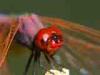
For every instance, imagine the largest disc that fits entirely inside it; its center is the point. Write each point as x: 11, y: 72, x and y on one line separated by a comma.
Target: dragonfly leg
x: 36, y: 63
x: 52, y: 62
x: 28, y: 64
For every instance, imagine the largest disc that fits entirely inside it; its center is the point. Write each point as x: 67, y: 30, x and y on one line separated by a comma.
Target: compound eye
x: 45, y: 37
x: 56, y: 38
x: 44, y: 40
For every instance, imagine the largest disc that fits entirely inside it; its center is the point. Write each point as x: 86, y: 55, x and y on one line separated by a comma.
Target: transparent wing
x: 7, y: 33
x: 81, y: 48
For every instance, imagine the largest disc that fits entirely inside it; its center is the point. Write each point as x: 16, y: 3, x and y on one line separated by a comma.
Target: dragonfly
x: 80, y: 44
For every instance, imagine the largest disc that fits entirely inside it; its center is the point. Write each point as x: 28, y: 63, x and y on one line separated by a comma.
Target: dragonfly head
x: 49, y: 39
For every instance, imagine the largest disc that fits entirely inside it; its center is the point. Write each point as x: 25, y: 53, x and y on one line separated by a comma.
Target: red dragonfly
x: 81, y: 44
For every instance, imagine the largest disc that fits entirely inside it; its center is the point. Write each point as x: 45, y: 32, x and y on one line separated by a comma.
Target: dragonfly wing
x: 70, y: 26
x: 81, y: 45
x: 7, y: 33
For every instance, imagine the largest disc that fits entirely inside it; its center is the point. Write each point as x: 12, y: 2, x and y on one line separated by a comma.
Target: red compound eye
x: 49, y: 39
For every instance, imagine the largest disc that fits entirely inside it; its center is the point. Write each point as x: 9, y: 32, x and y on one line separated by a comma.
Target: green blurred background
x: 80, y: 11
